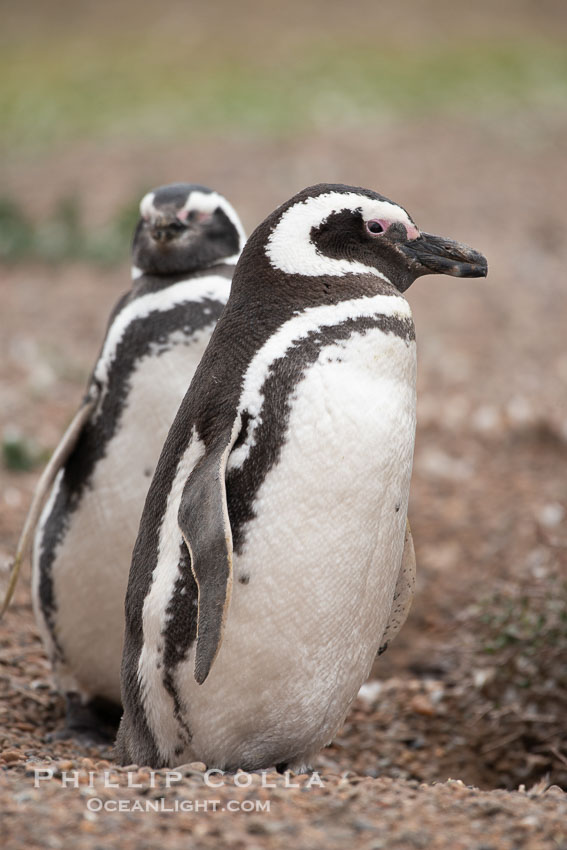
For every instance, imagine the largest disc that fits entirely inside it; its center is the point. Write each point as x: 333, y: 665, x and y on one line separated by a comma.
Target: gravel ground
x: 458, y: 740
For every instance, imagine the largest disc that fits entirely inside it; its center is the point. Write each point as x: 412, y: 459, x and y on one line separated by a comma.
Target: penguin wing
x: 205, y: 526
x: 56, y: 461
x: 403, y: 594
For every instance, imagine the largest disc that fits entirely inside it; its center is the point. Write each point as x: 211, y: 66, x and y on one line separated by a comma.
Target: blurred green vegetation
x: 518, y: 627
x: 21, y: 454
x: 61, y: 90
x: 520, y: 649
x: 54, y: 93
x: 63, y: 236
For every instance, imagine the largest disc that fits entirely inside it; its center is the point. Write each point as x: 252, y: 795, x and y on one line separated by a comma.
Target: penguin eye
x: 186, y: 215
x: 374, y: 226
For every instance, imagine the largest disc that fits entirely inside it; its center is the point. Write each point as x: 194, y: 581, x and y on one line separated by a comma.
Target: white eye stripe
x: 208, y: 202
x: 290, y: 249
x: 147, y: 205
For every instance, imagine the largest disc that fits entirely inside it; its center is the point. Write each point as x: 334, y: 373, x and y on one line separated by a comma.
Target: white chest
x: 320, y: 559
x: 92, y: 561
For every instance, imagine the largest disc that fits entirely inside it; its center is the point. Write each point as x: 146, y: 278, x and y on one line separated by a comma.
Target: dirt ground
x: 458, y: 740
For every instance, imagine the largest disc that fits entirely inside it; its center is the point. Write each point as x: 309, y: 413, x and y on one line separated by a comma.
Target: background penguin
x: 271, y: 544
x: 184, y: 251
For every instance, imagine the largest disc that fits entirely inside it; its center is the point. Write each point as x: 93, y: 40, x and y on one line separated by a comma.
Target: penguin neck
x: 265, y: 311
x: 262, y: 287
x: 147, y: 282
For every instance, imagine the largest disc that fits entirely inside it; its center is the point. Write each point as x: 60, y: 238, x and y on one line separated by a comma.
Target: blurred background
x: 457, y: 111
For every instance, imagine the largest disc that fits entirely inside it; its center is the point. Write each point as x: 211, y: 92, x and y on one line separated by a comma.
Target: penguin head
x: 184, y: 227
x: 333, y: 230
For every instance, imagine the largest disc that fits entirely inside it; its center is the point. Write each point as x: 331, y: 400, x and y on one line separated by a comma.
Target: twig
x: 558, y: 755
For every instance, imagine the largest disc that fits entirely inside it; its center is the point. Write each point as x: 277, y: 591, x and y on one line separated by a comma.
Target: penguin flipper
x: 403, y: 593
x: 205, y: 526
x: 56, y: 461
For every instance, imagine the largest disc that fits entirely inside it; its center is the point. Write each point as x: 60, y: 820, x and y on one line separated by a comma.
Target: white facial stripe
x: 208, y: 202
x: 292, y: 331
x: 291, y: 250
x: 156, y: 700
x: 195, y: 290
x: 136, y: 272
x: 147, y: 205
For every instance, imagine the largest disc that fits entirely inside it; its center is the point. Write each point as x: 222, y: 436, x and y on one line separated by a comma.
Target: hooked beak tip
x: 470, y: 268
x: 438, y: 255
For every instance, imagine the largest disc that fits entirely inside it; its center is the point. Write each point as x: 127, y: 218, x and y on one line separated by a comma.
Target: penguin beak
x: 163, y: 230
x: 430, y: 254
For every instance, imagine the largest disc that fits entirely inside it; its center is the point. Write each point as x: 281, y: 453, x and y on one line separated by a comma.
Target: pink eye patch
x: 194, y: 215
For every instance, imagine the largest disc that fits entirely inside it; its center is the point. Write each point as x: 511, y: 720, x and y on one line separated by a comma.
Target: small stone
x: 434, y: 463
x: 13, y: 497
x: 193, y: 768
x: 519, y: 411
x: 481, y: 676
x: 11, y: 756
x: 370, y: 691
x: 487, y: 420
x: 421, y: 704
x: 551, y: 515
x: 256, y: 827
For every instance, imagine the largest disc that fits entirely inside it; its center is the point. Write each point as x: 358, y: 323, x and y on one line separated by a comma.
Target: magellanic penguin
x: 185, y: 248
x: 271, y: 543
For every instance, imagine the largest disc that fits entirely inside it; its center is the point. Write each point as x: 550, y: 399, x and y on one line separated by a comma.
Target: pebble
x: 24, y: 727
x: 519, y: 411
x: 11, y: 756
x: 421, y: 704
x: 481, y: 676
x: 437, y: 464
x: 370, y: 692
x: 487, y: 420
x: 556, y: 790
x: 551, y: 515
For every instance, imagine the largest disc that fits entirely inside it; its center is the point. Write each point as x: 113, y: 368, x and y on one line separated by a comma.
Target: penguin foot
x: 94, y: 723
